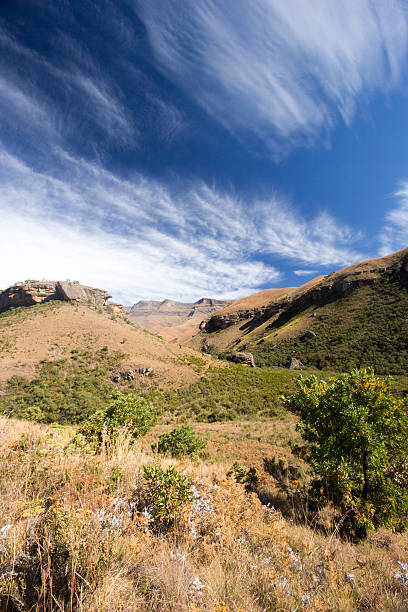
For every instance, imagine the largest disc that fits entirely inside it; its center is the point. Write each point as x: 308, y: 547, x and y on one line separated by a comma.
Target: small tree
x: 356, y: 435
x: 125, y: 410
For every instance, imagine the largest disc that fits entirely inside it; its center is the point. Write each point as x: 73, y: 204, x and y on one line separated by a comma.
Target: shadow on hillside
x: 298, y: 508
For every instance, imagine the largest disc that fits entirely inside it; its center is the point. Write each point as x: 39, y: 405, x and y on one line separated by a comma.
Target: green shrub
x: 227, y: 393
x: 356, y: 435
x: 179, y: 442
x: 167, y: 492
x: 125, y: 410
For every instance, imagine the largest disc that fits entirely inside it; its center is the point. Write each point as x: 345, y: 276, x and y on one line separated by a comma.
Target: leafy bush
x: 125, y: 410
x: 249, y: 477
x: 356, y: 435
x: 179, y: 442
x: 167, y: 492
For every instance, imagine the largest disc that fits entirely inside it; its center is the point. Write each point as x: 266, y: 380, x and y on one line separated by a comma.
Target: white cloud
x: 283, y: 70
x: 394, y: 235
x: 139, y: 239
x: 306, y: 272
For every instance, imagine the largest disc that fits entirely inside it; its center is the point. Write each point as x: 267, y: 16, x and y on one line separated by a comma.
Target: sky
x: 189, y: 148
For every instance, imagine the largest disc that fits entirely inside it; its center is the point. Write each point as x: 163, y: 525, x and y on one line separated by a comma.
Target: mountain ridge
x: 157, y: 316
x: 337, y: 309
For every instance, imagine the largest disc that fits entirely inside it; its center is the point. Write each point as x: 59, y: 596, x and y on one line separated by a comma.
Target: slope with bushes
x: 357, y: 317
x: 124, y: 530
x: 51, y: 331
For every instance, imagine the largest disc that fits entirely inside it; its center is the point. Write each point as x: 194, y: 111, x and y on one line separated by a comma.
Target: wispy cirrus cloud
x: 70, y: 95
x: 281, y: 71
x: 394, y: 234
x: 81, y: 93
x: 140, y: 239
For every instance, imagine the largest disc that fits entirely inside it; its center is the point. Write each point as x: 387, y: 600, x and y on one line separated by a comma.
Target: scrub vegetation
x: 367, y: 328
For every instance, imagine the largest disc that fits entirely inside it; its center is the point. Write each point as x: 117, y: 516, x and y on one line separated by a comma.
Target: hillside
x: 357, y: 317
x: 75, y: 351
x: 78, y: 533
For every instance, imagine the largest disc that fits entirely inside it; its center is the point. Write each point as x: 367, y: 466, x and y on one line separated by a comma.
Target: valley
x: 87, y: 393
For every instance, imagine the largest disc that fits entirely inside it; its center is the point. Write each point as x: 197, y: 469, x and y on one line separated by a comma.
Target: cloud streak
x: 394, y: 235
x: 281, y: 71
x: 140, y: 239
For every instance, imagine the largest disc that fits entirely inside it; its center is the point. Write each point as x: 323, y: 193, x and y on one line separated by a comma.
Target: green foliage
x: 180, y: 442
x: 125, y: 410
x: 197, y: 362
x: 225, y: 393
x: 246, y: 476
x: 167, y: 492
x: 356, y: 435
x: 287, y: 476
x: 367, y: 328
x: 64, y: 391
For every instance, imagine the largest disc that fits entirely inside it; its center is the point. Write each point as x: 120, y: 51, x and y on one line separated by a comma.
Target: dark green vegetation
x: 225, y: 393
x: 166, y: 493
x: 64, y: 391
x: 367, y: 328
x: 180, y: 442
x: 355, y: 435
x: 124, y: 410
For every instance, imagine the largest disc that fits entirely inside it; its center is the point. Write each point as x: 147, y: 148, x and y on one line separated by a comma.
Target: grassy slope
x: 51, y: 331
x: 369, y: 327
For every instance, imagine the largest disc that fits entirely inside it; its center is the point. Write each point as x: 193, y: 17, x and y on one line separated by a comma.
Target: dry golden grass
x: 71, y: 533
x: 53, y: 330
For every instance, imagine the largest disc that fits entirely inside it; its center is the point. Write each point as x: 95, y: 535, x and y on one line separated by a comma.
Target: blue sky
x: 189, y: 148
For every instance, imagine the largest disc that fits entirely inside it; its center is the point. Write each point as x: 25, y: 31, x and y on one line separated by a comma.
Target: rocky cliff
x: 37, y: 292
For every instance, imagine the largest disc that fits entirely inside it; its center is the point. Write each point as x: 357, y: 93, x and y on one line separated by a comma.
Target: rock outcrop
x: 309, y: 335
x: 37, y: 292
x: 244, y: 358
x: 295, y: 364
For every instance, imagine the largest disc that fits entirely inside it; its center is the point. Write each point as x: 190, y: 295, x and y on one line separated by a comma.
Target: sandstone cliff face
x: 37, y: 292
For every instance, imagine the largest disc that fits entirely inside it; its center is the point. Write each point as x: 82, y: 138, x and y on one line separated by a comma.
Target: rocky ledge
x: 37, y: 292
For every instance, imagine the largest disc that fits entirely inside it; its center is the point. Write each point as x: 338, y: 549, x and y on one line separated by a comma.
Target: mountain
x: 173, y: 320
x: 356, y: 316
